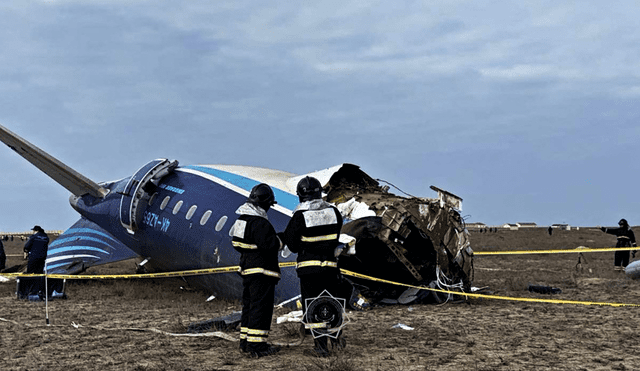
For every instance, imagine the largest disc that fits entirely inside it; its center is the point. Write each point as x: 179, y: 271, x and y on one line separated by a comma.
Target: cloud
x: 383, y: 83
x: 630, y: 92
x: 529, y: 72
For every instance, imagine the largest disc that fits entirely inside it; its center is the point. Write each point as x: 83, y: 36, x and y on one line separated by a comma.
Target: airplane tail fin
x: 84, y: 245
x: 73, y: 181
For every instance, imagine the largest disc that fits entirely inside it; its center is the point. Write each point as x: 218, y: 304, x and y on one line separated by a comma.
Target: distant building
x: 526, y: 225
x: 477, y: 225
x: 561, y: 226
x: 513, y: 227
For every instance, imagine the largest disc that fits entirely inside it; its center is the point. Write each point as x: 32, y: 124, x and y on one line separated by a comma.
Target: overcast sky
x: 527, y: 110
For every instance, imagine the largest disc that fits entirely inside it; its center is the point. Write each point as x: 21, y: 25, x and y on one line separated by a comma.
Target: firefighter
x: 626, y: 238
x: 313, y: 233
x: 256, y: 240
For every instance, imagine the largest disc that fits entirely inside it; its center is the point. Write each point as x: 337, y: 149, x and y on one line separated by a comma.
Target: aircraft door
x: 139, y: 188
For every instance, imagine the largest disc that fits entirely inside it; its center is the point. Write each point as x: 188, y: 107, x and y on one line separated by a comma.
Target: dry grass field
x: 116, y: 321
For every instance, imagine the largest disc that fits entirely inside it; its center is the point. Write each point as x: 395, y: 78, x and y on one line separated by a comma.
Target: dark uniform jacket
x: 313, y: 233
x: 3, y: 257
x: 257, y: 242
x: 626, y: 238
x: 37, y: 245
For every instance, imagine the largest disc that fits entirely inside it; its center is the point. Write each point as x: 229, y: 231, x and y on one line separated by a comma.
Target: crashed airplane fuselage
x: 179, y: 218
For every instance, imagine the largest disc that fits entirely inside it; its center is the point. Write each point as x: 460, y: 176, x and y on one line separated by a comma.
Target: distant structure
x: 29, y: 233
x: 526, y: 225
x: 474, y: 226
x: 513, y: 227
x: 561, y: 226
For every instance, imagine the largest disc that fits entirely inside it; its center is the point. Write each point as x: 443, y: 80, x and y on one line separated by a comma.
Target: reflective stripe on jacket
x: 313, y: 233
x: 255, y: 239
x: 316, y: 263
x: 266, y: 272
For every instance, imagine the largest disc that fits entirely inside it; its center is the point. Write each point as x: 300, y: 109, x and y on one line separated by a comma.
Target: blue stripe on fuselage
x: 73, y: 231
x: 60, y: 250
x: 284, y: 199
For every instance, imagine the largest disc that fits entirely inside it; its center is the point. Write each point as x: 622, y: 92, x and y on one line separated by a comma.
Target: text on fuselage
x: 153, y: 220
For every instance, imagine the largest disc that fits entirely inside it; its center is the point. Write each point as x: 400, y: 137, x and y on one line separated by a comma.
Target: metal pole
x: 46, y: 293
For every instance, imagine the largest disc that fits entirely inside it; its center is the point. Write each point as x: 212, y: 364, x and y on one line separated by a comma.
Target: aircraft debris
x: 633, y: 269
x: 540, y: 289
x: 229, y: 322
x: 411, y: 240
x: 403, y: 326
x: 293, y: 316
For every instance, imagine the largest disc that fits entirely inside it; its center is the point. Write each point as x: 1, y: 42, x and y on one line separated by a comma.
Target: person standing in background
x: 36, y: 247
x: 3, y: 256
x: 626, y: 238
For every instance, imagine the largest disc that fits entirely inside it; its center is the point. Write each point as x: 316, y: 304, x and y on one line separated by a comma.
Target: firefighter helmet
x: 262, y: 195
x: 309, y: 188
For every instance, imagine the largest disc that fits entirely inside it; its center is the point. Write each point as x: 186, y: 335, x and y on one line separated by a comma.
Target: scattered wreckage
x: 410, y: 240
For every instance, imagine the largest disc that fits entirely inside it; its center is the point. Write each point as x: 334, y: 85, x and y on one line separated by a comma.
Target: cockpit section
x: 139, y: 189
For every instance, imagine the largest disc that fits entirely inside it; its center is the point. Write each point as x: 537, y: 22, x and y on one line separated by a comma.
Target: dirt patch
x: 115, y: 319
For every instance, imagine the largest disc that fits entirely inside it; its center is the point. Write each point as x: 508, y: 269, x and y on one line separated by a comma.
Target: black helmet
x: 623, y: 223
x: 262, y: 195
x: 309, y: 188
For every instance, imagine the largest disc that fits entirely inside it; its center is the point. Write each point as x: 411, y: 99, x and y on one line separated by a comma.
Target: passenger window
x: 192, y: 210
x: 153, y: 199
x: 205, y: 217
x: 221, y: 223
x: 164, y: 202
x: 177, y: 207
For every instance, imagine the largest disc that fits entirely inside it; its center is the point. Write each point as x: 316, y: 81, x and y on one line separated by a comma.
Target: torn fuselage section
x: 411, y: 240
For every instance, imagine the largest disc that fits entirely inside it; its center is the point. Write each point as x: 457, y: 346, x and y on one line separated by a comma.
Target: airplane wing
x: 73, y: 181
x: 84, y: 245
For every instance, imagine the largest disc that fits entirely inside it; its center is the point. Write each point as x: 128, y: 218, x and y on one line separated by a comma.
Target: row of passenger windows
x: 203, y: 220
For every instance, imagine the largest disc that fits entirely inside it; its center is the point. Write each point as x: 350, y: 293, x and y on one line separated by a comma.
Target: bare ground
x: 477, y: 334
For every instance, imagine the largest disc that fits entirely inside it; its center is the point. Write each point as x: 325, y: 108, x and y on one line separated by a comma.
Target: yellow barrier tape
x: 195, y: 272
x: 553, y: 301
x: 563, y: 251
x: 343, y: 271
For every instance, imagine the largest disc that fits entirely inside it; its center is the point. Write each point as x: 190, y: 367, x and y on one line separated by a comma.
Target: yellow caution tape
x: 195, y: 272
x: 352, y: 274
x: 553, y: 301
x: 563, y: 251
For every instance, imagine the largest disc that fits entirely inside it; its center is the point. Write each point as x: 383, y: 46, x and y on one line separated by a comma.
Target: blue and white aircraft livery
x: 179, y: 218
